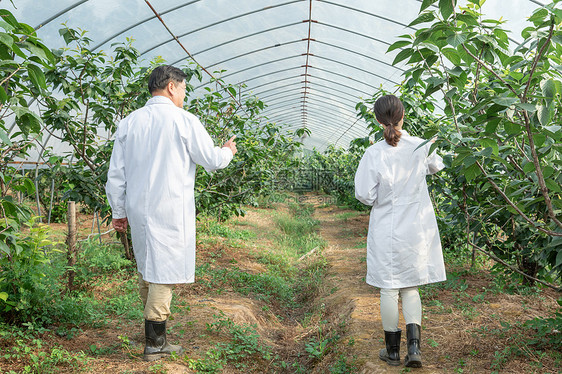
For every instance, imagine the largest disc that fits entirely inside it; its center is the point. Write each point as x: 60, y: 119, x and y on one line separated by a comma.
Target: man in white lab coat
x: 150, y: 186
x: 403, y: 244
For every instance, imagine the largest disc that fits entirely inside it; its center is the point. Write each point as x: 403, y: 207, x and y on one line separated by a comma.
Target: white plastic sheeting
x: 310, y: 61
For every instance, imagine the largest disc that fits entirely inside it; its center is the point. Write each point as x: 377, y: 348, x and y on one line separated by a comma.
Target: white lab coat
x: 403, y: 245
x: 151, y: 181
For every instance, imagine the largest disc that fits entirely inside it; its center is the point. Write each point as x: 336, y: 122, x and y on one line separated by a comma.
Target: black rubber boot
x: 391, y: 354
x: 156, y: 345
x: 413, y: 358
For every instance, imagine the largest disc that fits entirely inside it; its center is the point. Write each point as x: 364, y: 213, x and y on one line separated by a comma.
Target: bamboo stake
x: 71, y: 242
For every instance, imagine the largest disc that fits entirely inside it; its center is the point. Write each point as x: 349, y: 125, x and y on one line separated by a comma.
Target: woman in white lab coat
x: 403, y: 245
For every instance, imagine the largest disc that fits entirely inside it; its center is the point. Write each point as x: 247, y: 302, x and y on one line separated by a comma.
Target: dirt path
x: 466, y: 326
x: 470, y: 325
x: 345, y: 232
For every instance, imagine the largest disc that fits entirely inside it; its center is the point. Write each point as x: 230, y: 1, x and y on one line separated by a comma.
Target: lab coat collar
x: 159, y: 100
x: 403, y: 132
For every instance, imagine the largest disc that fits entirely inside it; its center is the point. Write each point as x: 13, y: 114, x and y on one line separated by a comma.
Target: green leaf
x: 4, y: 137
x: 3, y: 95
x: 6, y: 26
x: 545, y: 114
x: 526, y: 106
x: 6, y: 39
x: 452, y: 55
x: 539, y: 16
x: 36, y: 76
x: 552, y: 185
x: 539, y: 139
x: 28, y: 120
x: 398, y: 44
x: 426, y: 4
x: 548, y: 89
x: 456, y: 39
x: 529, y: 167
x: 29, y: 186
x: 505, y: 100
x: 404, y: 54
x: 490, y: 143
x: 512, y: 128
x: 422, y: 18
x: 492, y: 125
x: 471, y: 172
x: 447, y: 7
x: 4, y: 295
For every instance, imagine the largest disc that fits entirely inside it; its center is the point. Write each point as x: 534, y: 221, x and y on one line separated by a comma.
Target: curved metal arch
x: 346, y: 77
x: 141, y: 22
x: 296, y: 109
x: 220, y: 22
x: 323, y: 139
x: 293, y: 118
x: 300, y: 117
x: 335, y: 89
x: 339, y: 84
x: 291, y: 94
x: 280, y: 107
x: 315, y: 91
x: 252, y: 67
x: 360, y: 54
x: 313, y: 55
x: 310, y: 81
x: 313, y: 95
x: 310, y: 109
x: 311, y: 102
x: 315, y: 112
x: 279, y: 80
x: 354, y: 32
x: 355, y: 67
x: 57, y: 15
x: 315, y: 41
x: 302, y: 88
x: 255, y: 51
x: 367, y: 13
x: 242, y: 38
x: 268, y: 74
x: 274, y: 88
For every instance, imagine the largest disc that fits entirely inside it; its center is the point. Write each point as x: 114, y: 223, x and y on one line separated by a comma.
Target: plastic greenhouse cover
x: 310, y: 61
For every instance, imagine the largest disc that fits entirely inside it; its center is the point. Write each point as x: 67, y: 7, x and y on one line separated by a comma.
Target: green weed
x: 242, y: 350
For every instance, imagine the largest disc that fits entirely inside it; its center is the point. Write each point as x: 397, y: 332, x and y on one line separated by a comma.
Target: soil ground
x: 468, y: 326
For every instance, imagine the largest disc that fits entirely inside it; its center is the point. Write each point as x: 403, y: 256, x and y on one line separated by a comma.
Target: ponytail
x: 391, y: 135
x: 389, y: 111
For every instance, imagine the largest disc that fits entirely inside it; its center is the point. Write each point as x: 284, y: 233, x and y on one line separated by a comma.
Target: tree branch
x: 519, y: 211
x: 495, y: 258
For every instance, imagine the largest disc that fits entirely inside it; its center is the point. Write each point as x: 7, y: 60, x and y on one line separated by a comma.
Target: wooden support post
x: 71, y: 242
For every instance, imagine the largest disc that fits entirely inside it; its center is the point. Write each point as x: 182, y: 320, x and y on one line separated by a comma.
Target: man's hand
x: 231, y: 145
x: 120, y: 224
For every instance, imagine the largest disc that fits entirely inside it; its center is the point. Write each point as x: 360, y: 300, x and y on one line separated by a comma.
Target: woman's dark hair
x: 389, y: 111
x: 162, y: 75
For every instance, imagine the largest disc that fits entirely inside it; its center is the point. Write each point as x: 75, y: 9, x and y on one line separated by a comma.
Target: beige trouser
x: 156, y: 299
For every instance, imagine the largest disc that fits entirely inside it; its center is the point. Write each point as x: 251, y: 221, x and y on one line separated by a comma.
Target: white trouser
x: 411, y: 307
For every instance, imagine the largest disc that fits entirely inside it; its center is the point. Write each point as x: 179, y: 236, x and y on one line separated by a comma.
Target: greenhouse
x: 324, y: 186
